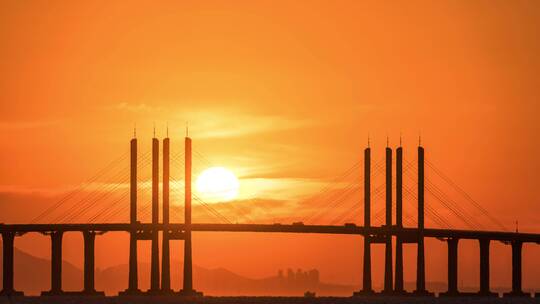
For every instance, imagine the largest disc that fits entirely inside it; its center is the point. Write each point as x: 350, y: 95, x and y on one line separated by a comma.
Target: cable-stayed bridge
x: 97, y: 207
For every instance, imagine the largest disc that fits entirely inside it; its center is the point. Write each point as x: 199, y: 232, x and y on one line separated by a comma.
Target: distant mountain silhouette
x: 218, y: 281
x: 32, y: 275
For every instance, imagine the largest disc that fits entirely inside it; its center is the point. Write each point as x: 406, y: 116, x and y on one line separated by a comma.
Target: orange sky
x: 284, y: 94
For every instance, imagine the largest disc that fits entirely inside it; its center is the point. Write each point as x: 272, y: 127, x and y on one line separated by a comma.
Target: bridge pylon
x: 154, y: 257
x: 133, y: 277
x: 388, y: 281
x: 367, y: 288
x: 398, y: 278
x: 165, y: 242
x: 187, y: 289
x: 420, y: 254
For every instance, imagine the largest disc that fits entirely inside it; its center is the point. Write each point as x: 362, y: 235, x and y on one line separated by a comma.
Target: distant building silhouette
x: 299, y: 279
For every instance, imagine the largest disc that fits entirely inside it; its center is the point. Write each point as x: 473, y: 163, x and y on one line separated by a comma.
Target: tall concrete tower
x: 420, y: 259
x: 188, y: 262
x: 133, y: 286
x: 367, y: 287
x: 398, y: 288
x: 166, y: 259
x: 154, y: 264
x: 388, y: 282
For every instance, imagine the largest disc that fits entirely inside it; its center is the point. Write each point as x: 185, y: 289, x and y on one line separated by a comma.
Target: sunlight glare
x: 217, y: 184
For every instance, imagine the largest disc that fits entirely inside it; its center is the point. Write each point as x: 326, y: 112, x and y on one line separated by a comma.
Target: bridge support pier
x: 452, y: 267
x: 154, y: 266
x: 484, y: 268
x: 367, y: 286
x: 166, y: 264
x: 8, y: 240
x: 366, y: 277
x: 133, y: 276
x: 398, y: 285
x: 56, y: 264
x: 516, y: 271
x: 388, y: 282
x: 187, y: 289
x: 89, y: 263
x: 421, y: 270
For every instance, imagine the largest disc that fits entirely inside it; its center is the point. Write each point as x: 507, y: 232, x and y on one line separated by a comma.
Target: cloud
x: 216, y: 124
x: 256, y: 210
x: 212, y: 123
x: 277, y: 188
x: 22, y: 191
x: 135, y: 107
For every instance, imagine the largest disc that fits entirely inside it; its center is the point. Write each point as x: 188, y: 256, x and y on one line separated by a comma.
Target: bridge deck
x: 277, y: 228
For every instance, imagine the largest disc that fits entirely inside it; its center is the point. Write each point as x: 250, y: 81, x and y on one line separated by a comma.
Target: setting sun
x: 217, y: 184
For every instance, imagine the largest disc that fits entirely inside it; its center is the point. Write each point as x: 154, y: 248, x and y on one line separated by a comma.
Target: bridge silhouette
x: 160, y: 281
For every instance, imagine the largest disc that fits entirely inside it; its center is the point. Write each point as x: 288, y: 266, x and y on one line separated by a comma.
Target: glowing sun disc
x: 217, y: 184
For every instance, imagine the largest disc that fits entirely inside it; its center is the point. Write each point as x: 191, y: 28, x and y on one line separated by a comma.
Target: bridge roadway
x: 277, y: 228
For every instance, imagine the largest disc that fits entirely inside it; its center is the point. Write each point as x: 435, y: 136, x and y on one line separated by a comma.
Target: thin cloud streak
x: 215, y: 123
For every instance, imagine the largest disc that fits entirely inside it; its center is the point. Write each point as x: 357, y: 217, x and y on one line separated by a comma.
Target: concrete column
x: 89, y: 261
x: 388, y: 282
x: 516, y: 271
x: 452, y: 266
x: 367, y: 287
x: 367, y: 187
x: 399, y: 187
x: 133, y: 286
x: 420, y: 258
x: 484, y: 267
x: 133, y: 182
x: 516, y: 268
x: 154, y: 266
x: 56, y: 263
x: 133, y: 282
x: 420, y: 188
x: 398, y: 288
x: 165, y: 258
x: 188, y: 267
x: 8, y: 240
x: 188, y: 262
